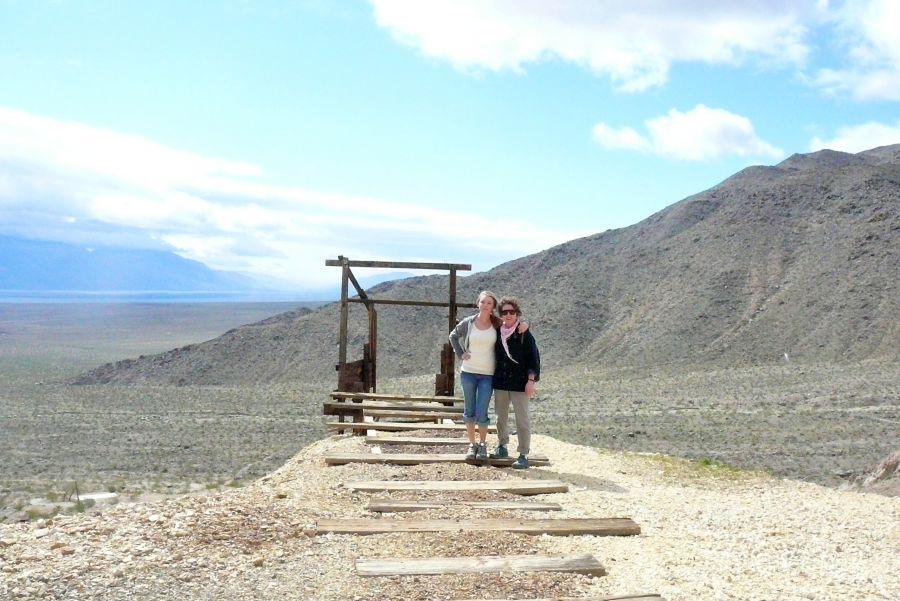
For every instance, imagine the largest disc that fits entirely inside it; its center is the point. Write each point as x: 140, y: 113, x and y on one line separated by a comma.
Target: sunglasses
x: 509, y: 312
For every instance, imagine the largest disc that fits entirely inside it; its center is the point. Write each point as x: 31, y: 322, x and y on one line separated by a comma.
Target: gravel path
x: 708, y: 533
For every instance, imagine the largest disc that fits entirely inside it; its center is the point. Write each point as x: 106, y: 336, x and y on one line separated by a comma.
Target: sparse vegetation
x: 814, y: 422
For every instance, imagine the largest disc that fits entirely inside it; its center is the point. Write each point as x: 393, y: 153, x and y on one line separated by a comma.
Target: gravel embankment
x: 708, y: 533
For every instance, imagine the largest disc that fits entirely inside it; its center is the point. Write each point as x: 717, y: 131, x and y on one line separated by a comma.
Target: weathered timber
x: 390, y: 506
x: 397, y: 426
x: 398, y: 264
x: 348, y: 406
x: 409, y: 303
x: 642, y: 597
x: 373, y: 396
x: 558, y: 527
x: 578, y: 564
x: 519, y: 487
x: 413, y: 414
x: 421, y: 458
x: 413, y: 440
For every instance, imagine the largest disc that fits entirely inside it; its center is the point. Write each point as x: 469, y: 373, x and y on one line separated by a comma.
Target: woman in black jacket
x: 518, y: 367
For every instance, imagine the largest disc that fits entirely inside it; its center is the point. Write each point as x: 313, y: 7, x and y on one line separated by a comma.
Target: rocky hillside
x: 799, y: 262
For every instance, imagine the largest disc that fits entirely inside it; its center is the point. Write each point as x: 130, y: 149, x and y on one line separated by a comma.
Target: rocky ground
x: 708, y: 532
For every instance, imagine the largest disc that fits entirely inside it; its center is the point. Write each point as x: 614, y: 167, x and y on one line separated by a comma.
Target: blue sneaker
x: 500, y: 452
x: 521, y: 463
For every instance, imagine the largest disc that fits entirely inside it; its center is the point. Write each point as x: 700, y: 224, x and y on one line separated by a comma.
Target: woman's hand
x: 529, y: 389
x: 467, y: 355
x: 523, y: 327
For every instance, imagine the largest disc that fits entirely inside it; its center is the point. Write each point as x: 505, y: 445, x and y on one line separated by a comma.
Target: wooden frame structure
x: 361, y: 376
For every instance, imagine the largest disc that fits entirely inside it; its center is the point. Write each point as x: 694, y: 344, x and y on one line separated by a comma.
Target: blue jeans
x: 477, y: 390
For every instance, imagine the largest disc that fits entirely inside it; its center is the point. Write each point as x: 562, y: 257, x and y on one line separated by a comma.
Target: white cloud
x: 632, y: 41
x: 79, y: 184
x: 868, y: 31
x: 700, y: 134
x: 857, y: 138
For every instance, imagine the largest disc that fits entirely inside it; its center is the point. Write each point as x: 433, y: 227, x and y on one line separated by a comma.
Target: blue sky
x: 267, y: 136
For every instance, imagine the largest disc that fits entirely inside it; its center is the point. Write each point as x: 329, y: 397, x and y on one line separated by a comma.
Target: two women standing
x: 499, y: 355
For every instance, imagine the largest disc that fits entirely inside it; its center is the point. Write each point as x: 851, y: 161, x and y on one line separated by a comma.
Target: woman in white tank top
x: 473, y: 341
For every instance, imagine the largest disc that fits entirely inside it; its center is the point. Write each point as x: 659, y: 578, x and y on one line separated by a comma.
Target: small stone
x: 41, y: 532
x: 258, y: 562
x: 67, y: 550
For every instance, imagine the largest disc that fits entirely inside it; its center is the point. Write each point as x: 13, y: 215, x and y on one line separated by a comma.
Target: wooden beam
x: 373, y: 345
x: 578, y: 564
x: 422, y: 458
x: 453, y: 304
x: 392, y: 405
x: 559, y: 527
x: 643, y: 597
x: 371, y: 396
x: 519, y: 487
x: 412, y: 440
x: 342, y: 332
x: 398, y: 426
x: 409, y: 303
x: 359, y: 289
x: 399, y: 264
x: 410, y: 414
x: 391, y: 506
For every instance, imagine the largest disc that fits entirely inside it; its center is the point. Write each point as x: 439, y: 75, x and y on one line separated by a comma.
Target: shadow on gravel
x: 589, y: 482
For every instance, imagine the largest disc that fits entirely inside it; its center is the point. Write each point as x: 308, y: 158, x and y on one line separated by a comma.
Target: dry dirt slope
x: 800, y: 259
x: 707, y: 533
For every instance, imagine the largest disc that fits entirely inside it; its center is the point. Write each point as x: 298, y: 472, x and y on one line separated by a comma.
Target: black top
x: 509, y: 375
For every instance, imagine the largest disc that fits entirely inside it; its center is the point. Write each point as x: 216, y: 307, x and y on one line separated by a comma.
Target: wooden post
x: 342, y: 335
x: 373, y: 347
x: 452, y: 300
x: 448, y: 357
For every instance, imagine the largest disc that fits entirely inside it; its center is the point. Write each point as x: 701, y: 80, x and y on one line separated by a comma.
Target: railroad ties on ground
x: 371, y: 413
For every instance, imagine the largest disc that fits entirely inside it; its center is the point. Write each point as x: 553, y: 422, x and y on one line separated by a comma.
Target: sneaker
x: 500, y: 452
x: 481, y: 454
x: 521, y: 463
x: 472, y: 452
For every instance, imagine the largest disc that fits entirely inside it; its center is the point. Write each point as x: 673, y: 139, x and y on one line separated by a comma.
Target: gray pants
x: 519, y: 400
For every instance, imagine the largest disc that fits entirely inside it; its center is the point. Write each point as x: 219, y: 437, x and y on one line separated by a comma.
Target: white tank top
x: 481, y: 346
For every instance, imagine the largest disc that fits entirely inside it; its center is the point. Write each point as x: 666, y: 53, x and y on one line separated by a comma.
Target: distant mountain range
x: 796, y: 262
x: 57, y: 271
x: 35, y: 265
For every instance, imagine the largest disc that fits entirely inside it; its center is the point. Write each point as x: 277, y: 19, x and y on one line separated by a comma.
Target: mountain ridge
x: 799, y: 261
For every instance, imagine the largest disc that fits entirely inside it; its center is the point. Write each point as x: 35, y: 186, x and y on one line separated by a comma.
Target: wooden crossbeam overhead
x: 360, y: 376
x: 391, y: 506
x: 422, y: 458
x: 399, y: 265
x: 558, y: 527
x: 413, y: 440
x: 578, y: 564
x: 392, y: 301
x: 519, y: 487
x: 371, y: 396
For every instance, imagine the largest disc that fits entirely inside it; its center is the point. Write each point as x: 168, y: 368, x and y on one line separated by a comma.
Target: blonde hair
x: 492, y: 296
